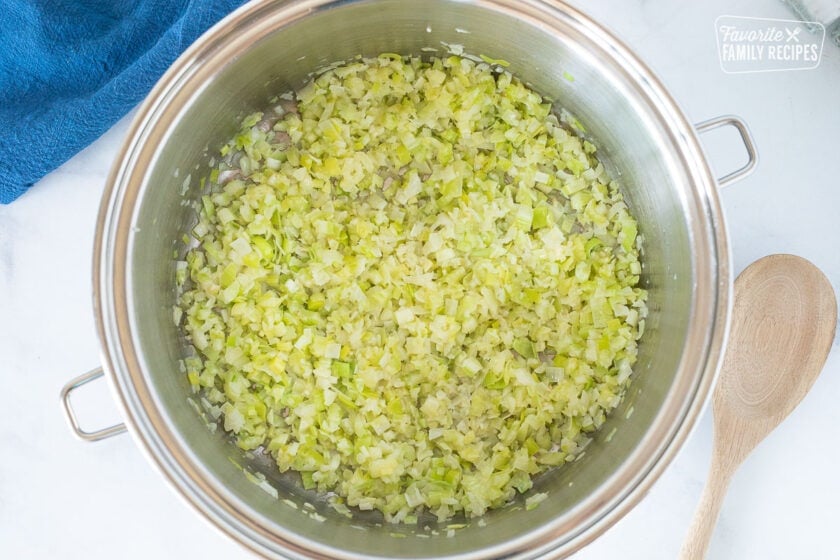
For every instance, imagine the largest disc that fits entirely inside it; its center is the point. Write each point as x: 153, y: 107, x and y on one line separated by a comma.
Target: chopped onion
x: 418, y: 288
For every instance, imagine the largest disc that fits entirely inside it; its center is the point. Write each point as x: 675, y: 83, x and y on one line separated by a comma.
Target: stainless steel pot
x: 270, y: 47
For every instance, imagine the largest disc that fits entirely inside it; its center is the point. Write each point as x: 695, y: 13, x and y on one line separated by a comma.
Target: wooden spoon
x: 783, y: 325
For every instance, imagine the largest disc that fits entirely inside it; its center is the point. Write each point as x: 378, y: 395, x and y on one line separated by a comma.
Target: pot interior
x: 270, y: 49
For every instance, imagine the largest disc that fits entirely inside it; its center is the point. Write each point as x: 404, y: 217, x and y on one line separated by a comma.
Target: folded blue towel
x: 69, y: 69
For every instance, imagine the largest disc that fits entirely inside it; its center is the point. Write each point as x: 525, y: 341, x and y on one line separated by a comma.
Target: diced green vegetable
x: 416, y: 287
x: 525, y: 348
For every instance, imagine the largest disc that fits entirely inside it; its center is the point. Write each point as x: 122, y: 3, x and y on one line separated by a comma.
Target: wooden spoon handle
x: 696, y: 544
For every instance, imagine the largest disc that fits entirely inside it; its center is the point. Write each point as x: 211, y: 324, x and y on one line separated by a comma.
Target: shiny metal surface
x: 746, y: 137
x: 70, y: 414
x: 270, y: 47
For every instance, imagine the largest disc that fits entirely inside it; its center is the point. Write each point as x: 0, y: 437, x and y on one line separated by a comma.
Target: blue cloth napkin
x: 69, y: 69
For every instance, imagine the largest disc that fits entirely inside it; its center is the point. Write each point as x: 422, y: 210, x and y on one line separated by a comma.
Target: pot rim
x: 149, y: 426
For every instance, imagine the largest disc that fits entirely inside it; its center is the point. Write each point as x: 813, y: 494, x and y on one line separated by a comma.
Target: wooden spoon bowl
x: 783, y: 324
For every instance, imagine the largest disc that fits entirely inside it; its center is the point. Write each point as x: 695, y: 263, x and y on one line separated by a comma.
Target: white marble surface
x: 60, y: 498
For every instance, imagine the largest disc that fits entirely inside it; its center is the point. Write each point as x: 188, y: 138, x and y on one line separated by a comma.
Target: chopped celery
x: 418, y: 288
x: 498, y: 61
x: 525, y: 348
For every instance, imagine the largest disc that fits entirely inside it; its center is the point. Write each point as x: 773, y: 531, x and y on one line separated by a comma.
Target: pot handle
x: 746, y: 138
x: 71, y: 386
